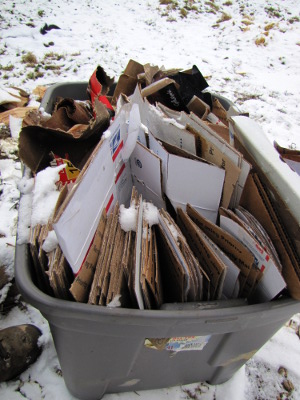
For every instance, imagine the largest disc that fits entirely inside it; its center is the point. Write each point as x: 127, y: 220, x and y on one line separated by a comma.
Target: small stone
x: 288, y: 385
x: 282, y: 371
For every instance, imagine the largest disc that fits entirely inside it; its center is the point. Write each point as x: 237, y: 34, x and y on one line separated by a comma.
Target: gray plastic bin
x: 103, y: 350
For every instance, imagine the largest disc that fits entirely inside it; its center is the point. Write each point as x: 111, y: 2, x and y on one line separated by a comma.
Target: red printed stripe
x: 86, y: 254
x: 262, y: 268
x: 267, y: 257
x: 120, y: 173
x: 115, y: 155
x: 109, y: 203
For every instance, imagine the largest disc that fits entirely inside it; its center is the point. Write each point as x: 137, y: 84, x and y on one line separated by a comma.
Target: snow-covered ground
x: 248, y: 52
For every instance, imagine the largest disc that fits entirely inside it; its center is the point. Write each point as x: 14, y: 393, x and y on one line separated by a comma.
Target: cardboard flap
x: 198, y: 107
x: 150, y: 271
x: 116, y: 287
x: 106, y: 167
x: 219, y: 111
x: 235, y: 250
x: 193, y: 121
x: 222, y: 131
x: 210, y: 262
x: 138, y: 256
x: 212, y: 153
x: 166, y: 129
x: 189, y: 181
x: 101, y: 276
x: 156, y: 86
x: 257, y: 201
x: 128, y: 80
x: 271, y: 283
x: 194, y: 270
x: 173, y: 266
x: 36, y: 142
x: 82, y: 283
x: 149, y: 185
x: 231, y: 287
x: 150, y: 72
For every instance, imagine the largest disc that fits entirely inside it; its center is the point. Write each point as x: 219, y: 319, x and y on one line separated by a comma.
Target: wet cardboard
x: 36, y: 142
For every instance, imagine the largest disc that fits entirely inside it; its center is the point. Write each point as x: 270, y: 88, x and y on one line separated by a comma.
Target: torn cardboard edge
x: 36, y: 142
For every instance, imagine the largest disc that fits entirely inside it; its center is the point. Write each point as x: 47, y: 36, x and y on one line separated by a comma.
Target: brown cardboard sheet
x: 210, y: 262
x: 219, y: 111
x: 191, y: 264
x: 173, y: 273
x: 237, y: 252
x: 81, y: 286
x: 95, y: 291
x: 257, y: 200
x: 198, y: 107
x: 127, y: 80
x: 211, y: 153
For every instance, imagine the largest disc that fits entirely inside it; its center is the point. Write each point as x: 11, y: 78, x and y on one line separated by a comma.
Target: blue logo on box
x: 138, y: 163
x: 115, y: 141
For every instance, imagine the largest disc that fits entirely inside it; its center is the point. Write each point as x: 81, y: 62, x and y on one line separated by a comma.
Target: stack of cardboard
x: 170, y: 145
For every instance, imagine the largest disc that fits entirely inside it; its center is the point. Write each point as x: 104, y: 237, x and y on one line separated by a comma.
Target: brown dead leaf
x: 288, y: 385
x: 39, y: 91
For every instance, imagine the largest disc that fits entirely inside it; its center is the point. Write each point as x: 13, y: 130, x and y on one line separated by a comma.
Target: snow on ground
x: 248, y: 51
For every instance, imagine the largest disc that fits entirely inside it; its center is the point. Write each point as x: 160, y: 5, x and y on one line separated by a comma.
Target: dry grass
x: 54, y: 56
x: 9, y: 67
x: 224, y: 17
x: 270, y: 26
x: 29, y: 59
x: 183, y: 13
x: 247, y: 22
x: 261, y: 41
x: 212, y: 5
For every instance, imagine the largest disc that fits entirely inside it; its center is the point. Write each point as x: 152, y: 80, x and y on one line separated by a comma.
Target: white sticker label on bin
x: 176, y: 344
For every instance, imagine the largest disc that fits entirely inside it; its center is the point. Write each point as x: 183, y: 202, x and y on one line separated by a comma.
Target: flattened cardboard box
x: 108, y: 167
x: 238, y: 253
x: 107, y: 179
x: 101, y: 183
